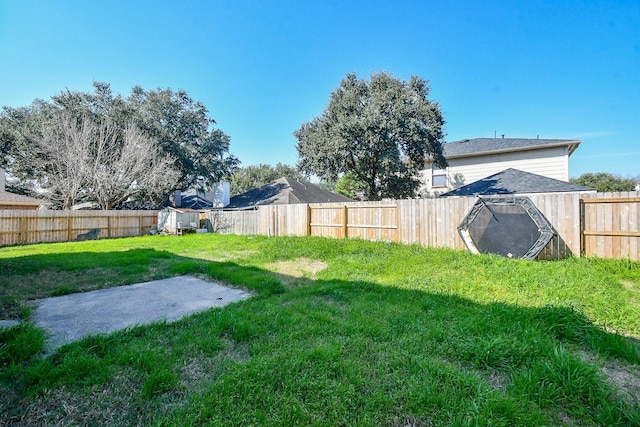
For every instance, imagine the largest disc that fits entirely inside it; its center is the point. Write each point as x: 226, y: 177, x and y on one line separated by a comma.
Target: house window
x: 438, y: 177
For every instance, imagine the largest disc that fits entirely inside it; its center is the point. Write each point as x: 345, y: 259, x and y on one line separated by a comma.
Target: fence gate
x: 610, y: 227
x: 370, y: 221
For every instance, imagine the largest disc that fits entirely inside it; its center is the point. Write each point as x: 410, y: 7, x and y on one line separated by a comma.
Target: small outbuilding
x: 16, y: 201
x: 178, y: 221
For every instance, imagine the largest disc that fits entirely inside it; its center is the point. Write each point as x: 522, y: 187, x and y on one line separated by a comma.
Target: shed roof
x: 480, y: 146
x: 11, y: 199
x: 285, y: 191
x: 515, y: 181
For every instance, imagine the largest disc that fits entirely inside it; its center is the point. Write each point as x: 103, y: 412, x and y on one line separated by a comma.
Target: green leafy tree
x: 605, y: 182
x: 350, y: 187
x: 184, y: 131
x: 382, y: 131
x: 249, y: 177
x: 179, y: 126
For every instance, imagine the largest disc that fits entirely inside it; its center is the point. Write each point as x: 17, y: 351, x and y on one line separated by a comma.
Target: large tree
x: 605, y: 182
x: 179, y: 125
x: 81, y: 160
x: 249, y: 177
x: 382, y: 131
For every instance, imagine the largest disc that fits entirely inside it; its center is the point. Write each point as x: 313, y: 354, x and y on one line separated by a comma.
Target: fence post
x: 345, y: 229
x: 108, y: 226
x: 582, y: 227
x: 308, y: 219
x: 69, y: 219
x: 398, y: 231
x: 140, y: 225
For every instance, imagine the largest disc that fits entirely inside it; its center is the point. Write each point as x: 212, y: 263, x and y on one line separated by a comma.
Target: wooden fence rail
x: 35, y: 226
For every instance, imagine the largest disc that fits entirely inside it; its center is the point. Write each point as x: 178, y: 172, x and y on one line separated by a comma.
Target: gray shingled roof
x: 479, y: 146
x: 284, y: 191
x: 514, y: 181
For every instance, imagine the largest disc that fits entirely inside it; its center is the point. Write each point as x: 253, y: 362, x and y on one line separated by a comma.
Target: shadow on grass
x: 331, y: 352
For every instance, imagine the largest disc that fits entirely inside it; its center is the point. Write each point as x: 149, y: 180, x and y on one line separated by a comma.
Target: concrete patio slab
x: 74, y: 316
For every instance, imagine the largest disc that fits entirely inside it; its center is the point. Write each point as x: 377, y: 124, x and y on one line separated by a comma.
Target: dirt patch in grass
x: 632, y: 286
x: 108, y: 405
x: 621, y: 375
x: 625, y: 377
x: 300, y: 269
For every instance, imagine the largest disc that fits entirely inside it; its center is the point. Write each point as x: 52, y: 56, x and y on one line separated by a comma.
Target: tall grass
x: 384, y: 335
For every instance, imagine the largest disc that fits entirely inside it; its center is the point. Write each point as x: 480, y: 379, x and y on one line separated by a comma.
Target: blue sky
x: 557, y: 69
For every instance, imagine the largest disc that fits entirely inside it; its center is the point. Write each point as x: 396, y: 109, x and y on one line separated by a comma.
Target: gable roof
x: 480, y: 146
x: 514, y: 181
x: 285, y: 191
x: 194, y: 200
x: 11, y: 199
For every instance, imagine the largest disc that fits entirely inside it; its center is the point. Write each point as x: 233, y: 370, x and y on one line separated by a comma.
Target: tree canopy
x: 249, y: 177
x: 169, y: 125
x: 382, y: 131
x: 605, y: 182
x: 349, y: 187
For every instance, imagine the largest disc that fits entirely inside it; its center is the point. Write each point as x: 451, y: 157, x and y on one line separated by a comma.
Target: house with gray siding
x: 473, y: 159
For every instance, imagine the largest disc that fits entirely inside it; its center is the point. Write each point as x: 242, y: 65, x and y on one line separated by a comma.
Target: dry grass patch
x: 301, y: 268
x: 225, y: 256
x: 619, y: 374
x: 625, y: 378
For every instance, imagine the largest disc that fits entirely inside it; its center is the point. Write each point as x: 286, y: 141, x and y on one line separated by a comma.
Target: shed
x: 16, y: 201
x: 176, y: 221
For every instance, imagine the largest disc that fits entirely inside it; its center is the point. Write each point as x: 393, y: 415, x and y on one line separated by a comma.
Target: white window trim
x: 438, y: 173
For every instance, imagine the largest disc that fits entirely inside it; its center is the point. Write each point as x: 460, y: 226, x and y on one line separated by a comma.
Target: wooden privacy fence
x: 427, y: 222
x: 34, y: 226
x: 607, y: 225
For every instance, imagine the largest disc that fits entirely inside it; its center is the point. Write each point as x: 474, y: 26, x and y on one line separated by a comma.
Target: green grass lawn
x: 339, y: 332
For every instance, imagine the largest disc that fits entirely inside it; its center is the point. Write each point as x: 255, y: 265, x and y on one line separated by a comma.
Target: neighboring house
x: 16, y: 201
x: 198, y: 200
x: 472, y: 159
x: 514, y: 181
x: 284, y: 191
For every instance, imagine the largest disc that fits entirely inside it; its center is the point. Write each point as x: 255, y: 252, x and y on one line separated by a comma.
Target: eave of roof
x: 483, y: 146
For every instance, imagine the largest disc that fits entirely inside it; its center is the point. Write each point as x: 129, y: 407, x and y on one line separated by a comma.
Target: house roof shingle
x: 480, y: 146
x: 284, y: 191
x: 514, y: 181
x: 7, y: 198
